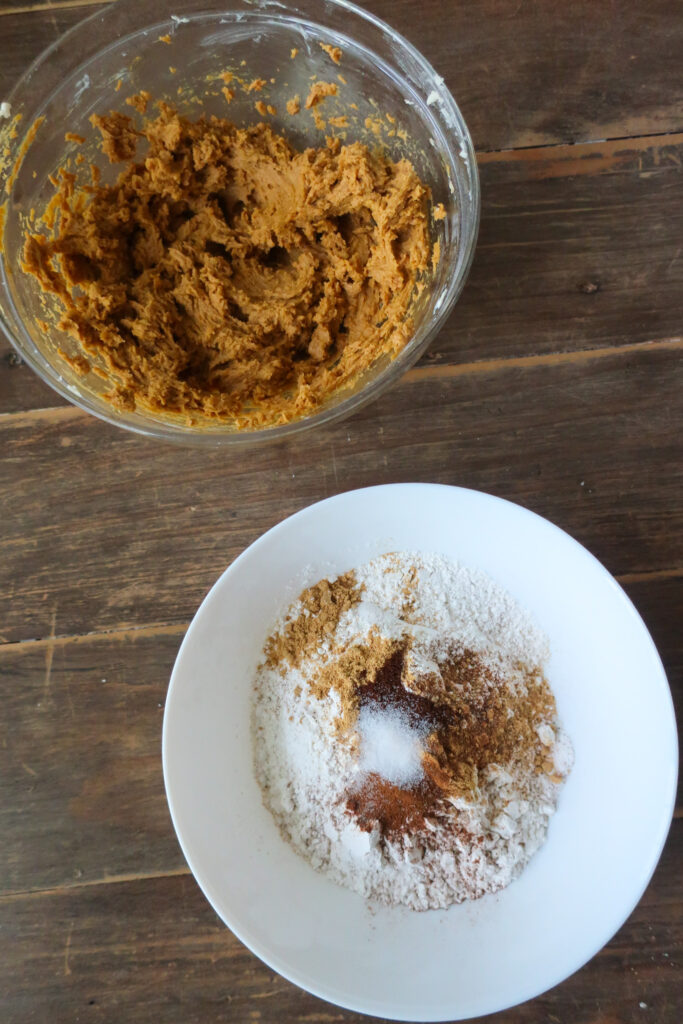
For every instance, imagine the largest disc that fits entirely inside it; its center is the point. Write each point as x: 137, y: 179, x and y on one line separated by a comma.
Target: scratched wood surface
x: 557, y: 383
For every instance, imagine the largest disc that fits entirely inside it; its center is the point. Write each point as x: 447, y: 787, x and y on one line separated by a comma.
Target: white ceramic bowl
x: 604, y: 840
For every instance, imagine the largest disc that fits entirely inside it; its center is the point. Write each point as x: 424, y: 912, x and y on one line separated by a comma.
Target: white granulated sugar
x: 390, y: 746
x: 306, y: 770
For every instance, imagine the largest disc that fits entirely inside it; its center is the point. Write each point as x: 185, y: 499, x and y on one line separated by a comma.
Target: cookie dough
x: 226, y: 275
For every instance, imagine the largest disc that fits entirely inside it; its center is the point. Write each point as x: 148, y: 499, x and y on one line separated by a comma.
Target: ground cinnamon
x: 383, y: 804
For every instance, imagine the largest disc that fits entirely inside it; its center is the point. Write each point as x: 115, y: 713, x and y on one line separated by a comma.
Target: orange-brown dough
x: 226, y: 275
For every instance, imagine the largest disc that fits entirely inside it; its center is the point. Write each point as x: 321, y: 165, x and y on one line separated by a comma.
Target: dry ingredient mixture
x: 226, y: 275
x: 406, y: 740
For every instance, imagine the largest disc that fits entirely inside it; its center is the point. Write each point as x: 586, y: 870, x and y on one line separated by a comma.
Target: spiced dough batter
x: 227, y: 275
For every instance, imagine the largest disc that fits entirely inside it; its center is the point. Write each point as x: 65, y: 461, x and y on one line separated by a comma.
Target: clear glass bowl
x: 78, y: 76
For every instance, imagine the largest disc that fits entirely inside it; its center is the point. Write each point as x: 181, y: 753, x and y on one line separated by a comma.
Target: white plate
x: 604, y: 840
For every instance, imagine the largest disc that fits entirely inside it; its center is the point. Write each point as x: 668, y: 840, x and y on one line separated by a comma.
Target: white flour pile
x: 405, y: 739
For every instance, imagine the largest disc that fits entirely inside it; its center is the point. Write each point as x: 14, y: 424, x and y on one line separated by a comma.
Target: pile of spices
x: 405, y: 738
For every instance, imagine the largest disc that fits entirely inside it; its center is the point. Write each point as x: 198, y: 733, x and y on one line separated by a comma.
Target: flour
x: 306, y: 769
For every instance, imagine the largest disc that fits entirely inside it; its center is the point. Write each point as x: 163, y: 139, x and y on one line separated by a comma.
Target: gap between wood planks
x: 179, y: 628
x: 483, y: 156
x: 526, y: 153
x: 424, y: 373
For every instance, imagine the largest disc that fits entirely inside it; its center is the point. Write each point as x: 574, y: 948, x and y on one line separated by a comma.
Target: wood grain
x: 556, y: 383
x: 135, y: 532
x: 83, y: 796
x: 579, y: 247
x: 524, y: 74
x: 154, y: 950
x: 535, y: 73
x: 39, y: 6
x: 26, y: 33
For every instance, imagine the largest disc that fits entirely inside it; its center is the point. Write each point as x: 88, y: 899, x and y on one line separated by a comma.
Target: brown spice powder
x: 322, y: 606
x: 351, y: 674
x: 395, y: 810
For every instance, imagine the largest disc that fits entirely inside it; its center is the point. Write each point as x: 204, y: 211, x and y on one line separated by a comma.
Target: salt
x: 390, y: 746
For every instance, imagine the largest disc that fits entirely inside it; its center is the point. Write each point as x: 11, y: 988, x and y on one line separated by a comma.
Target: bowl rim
x: 668, y: 801
x: 440, y: 106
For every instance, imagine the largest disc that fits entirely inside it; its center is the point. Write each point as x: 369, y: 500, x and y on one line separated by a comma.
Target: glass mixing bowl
x: 177, y: 51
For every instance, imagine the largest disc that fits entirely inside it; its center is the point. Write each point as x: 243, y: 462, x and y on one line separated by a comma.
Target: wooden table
x: 557, y: 383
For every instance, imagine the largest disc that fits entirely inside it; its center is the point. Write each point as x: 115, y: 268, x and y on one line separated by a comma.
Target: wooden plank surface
x: 556, y: 383
x: 120, y: 544
x: 523, y: 73
x: 27, y: 32
x: 83, y: 794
